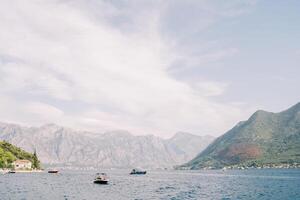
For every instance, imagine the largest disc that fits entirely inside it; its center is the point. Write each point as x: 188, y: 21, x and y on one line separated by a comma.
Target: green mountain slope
x: 265, y: 139
x: 10, y: 153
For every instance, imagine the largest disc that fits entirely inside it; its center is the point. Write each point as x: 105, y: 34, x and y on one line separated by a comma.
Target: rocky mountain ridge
x: 265, y: 139
x: 57, y: 145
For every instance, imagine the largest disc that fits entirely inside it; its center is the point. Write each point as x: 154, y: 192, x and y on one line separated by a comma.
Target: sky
x: 147, y: 66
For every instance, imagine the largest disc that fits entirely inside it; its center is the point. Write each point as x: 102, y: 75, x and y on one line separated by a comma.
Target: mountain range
x: 60, y: 146
x: 265, y: 139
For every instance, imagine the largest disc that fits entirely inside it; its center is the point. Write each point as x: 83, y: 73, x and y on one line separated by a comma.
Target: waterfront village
x: 265, y: 166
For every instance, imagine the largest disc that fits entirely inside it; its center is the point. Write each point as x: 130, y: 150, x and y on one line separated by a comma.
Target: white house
x: 22, y: 164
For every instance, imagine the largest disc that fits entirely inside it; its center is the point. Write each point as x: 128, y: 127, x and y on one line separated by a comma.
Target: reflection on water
x: 246, y: 184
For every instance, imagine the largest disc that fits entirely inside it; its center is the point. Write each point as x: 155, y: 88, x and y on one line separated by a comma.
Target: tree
x: 36, y: 162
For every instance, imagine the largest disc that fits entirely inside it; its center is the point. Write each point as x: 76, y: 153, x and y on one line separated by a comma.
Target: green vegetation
x: 9, y: 153
x: 36, y: 164
x: 265, y: 139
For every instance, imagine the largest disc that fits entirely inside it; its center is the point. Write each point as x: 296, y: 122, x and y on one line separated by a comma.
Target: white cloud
x: 108, y: 77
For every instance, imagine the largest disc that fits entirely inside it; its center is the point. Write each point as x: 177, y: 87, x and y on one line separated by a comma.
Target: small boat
x: 11, y: 172
x: 101, y: 178
x: 138, y: 171
x: 52, y: 171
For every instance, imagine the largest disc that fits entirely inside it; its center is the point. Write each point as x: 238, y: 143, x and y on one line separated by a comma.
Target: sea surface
x: 174, y: 185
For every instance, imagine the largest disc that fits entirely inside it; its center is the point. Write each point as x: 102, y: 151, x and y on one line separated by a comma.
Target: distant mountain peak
x: 262, y: 112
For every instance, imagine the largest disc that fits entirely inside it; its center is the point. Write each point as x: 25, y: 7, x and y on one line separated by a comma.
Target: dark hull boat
x: 101, y: 178
x: 104, y: 182
x: 53, y: 171
x: 138, y: 172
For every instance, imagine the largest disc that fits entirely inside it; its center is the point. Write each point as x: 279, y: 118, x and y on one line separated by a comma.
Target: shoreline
x: 4, y: 171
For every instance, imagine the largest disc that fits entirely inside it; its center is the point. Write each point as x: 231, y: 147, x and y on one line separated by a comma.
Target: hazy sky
x: 149, y: 67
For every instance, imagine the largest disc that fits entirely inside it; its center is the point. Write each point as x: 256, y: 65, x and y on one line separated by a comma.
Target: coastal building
x: 22, y: 164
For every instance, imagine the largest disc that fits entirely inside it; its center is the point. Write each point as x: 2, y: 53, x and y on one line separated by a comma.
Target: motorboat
x: 53, y: 171
x: 101, y: 178
x: 138, y: 171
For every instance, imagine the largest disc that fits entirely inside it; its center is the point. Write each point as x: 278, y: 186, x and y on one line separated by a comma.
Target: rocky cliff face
x: 57, y: 145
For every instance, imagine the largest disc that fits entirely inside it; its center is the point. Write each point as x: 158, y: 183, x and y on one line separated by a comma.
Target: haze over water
x: 175, y: 185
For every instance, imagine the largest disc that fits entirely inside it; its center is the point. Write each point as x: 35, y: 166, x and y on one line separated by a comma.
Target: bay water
x: 164, y: 184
